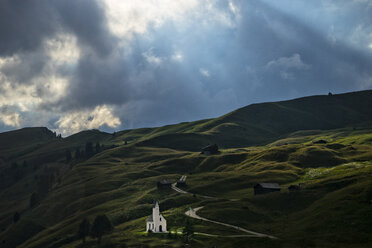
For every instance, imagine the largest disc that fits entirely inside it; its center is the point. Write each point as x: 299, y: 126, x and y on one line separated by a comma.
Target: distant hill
x: 25, y: 136
x: 261, y: 123
x: 256, y: 124
x: 16, y: 143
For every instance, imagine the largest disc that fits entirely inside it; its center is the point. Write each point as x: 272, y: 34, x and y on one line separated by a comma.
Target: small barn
x: 164, y: 184
x: 264, y: 188
x: 211, y: 149
x: 182, y: 181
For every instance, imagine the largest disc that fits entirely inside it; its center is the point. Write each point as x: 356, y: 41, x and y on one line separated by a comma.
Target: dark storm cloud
x: 259, y: 54
x: 24, y: 25
x: 25, y: 67
x: 268, y: 34
x: 86, y: 19
x: 97, y: 80
x: 236, y: 57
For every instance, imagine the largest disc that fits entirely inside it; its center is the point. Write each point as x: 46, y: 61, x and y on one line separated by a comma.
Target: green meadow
x: 270, y: 142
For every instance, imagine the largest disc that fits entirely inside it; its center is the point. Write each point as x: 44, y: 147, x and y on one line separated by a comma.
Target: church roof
x: 154, y: 204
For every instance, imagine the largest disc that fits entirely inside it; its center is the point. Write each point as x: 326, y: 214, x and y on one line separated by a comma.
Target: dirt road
x: 192, y: 213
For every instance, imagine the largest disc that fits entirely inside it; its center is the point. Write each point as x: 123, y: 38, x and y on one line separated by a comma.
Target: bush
x: 101, y: 226
x: 84, y: 229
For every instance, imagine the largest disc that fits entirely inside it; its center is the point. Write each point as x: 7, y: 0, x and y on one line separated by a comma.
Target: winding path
x: 174, y: 187
x: 192, y: 213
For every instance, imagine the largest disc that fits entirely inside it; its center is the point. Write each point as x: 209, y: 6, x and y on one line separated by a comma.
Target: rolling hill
x: 259, y: 124
x: 270, y: 142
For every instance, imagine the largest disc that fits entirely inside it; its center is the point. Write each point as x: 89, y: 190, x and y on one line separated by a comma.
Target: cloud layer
x: 73, y: 65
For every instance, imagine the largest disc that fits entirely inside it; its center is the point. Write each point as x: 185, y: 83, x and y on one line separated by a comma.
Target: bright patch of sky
x: 81, y: 120
x: 204, y: 72
x: 118, y: 64
x: 337, y: 19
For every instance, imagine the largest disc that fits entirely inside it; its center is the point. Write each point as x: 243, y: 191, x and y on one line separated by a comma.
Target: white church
x: 156, y: 222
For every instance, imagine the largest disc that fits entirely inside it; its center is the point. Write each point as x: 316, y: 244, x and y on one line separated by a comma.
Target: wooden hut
x: 164, y: 184
x: 264, y: 188
x: 211, y: 149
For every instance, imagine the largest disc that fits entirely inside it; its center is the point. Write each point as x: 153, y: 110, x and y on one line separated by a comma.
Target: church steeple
x: 155, y: 211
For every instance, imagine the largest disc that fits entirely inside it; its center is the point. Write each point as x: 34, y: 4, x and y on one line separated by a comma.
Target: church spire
x: 155, y: 204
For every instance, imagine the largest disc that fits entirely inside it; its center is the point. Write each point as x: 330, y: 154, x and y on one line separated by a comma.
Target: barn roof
x: 210, y: 147
x: 164, y: 181
x: 269, y: 185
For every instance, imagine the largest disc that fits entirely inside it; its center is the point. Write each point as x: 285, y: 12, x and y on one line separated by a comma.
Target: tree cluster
x: 11, y: 173
x: 89, y: 151
x: 101, y: 226
x: 45, y: 181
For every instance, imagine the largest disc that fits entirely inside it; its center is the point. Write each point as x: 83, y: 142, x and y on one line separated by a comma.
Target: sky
x: 72, y: 65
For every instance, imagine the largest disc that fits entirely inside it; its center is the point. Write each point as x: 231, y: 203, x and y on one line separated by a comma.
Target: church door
x: 160, y: 228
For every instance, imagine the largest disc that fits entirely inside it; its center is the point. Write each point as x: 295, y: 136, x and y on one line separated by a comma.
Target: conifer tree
x: 77, y: 153
x: 89, y: 149
x: 84, y: 229
x: 101, y: 226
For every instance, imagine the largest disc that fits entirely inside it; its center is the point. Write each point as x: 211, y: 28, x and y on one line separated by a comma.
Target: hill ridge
x: 260, y: 123
x: 254, y: 124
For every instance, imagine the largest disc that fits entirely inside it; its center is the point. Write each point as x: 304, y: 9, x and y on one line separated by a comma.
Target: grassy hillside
x: 259, y: 124
x: 332, y: 209
x: 23, y: 141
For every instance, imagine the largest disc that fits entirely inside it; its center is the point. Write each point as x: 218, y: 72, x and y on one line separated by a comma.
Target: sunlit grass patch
x: 316, y: 173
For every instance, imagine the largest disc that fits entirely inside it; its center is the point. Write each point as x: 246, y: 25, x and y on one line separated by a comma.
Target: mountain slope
x: 120, y: 179
x: 23, y: 141
x: 121, y: 182
x: 259, y: 124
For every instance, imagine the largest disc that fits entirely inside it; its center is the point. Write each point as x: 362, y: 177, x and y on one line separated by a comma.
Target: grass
x: 121, y: 183
x: 331, y: 210
x: 353, y: 168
